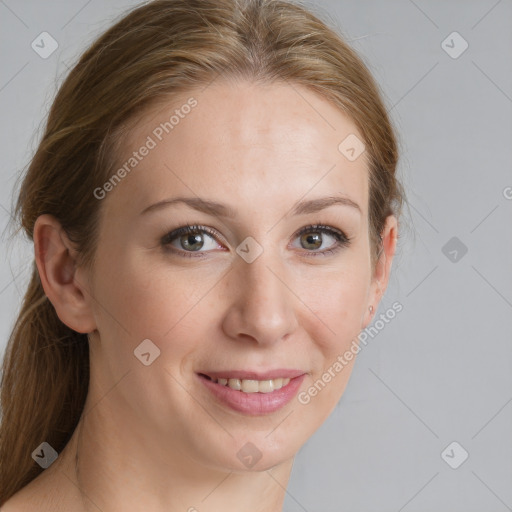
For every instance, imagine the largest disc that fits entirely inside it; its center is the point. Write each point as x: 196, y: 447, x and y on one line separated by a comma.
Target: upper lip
x: 254, y: 375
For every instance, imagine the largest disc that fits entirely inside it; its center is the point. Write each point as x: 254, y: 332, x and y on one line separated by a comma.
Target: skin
x: 152, y: 437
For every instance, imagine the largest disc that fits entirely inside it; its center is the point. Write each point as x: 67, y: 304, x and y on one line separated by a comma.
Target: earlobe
x: 55, y: 260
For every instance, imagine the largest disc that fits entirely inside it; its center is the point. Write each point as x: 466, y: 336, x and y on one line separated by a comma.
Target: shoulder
x: 45, y: 494
x: 51, y: 491
x: 20, y: 502
x: 26, y: 499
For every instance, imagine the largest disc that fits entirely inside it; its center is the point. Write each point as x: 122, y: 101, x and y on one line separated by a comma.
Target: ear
x: 55, y: 260
x: 382, y: 269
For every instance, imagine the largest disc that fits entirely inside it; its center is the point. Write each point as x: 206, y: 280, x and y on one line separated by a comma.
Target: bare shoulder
x: 26, y: 499
x: 22, y: 501
x: 14, y: 504
x: 53, y: 490
x: 46, y: 493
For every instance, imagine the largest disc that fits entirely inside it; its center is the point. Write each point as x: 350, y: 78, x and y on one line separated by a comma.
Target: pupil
x: 194, y: 238
x: 314, y: 239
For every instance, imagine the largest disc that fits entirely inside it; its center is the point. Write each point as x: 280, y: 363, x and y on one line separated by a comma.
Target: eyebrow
x: 222, y: 210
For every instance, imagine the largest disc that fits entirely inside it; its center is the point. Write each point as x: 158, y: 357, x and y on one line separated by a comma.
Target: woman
x: 214, y: 210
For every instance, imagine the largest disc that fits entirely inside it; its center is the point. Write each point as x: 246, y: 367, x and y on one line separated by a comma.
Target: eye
x: 311, y: 237
x: 189, y: 239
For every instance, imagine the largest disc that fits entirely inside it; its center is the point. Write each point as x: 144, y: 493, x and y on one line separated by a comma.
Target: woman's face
x: 251, y: 294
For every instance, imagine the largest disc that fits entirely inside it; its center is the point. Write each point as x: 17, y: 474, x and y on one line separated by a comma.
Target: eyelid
x: 342, y: 240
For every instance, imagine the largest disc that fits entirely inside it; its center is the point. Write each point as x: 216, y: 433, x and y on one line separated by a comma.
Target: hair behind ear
x: 43, y: 389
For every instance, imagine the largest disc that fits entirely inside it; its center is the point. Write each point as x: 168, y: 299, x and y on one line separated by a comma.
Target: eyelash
x: 341, y: 239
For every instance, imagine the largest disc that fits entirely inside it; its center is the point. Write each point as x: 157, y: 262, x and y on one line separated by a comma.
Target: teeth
x: 253, y: 386
x: 235, y: 384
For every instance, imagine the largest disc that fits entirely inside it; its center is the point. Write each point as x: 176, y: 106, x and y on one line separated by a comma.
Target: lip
x: 253, y: 404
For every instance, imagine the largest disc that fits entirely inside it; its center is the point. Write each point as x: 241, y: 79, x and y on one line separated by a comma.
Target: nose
x: 261, y: 303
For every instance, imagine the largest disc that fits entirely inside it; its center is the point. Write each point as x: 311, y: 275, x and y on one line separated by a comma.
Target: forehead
x: 242, y: 141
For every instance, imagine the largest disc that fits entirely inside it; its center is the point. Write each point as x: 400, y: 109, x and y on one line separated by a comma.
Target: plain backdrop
x: 441, y: 371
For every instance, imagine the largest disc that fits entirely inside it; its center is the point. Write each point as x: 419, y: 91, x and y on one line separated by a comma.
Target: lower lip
x: 254, y: 404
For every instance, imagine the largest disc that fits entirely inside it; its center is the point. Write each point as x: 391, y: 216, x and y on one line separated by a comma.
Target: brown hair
x: 156, y: 50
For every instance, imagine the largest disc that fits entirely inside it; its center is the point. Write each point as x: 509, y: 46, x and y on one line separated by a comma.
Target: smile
x: 252, y: 396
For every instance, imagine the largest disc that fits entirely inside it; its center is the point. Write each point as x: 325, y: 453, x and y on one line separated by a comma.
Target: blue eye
x: 191, y: 240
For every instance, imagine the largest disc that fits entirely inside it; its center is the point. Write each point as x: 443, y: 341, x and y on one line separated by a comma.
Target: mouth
x: 250, y: 385
x: 253, y: 393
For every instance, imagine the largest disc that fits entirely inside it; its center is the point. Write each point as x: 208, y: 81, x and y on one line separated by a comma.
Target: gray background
x: 441, y: 371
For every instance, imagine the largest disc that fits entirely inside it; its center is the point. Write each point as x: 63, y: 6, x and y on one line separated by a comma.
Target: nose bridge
x: 262, y: 306
x: 261, y: 284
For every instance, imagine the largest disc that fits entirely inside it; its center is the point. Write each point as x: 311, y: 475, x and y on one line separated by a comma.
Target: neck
x: 116, y: 466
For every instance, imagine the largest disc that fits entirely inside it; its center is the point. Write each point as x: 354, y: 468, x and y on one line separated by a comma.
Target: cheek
x: 338, y: 299
x: 173, y: 306
x: 136, y: 298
